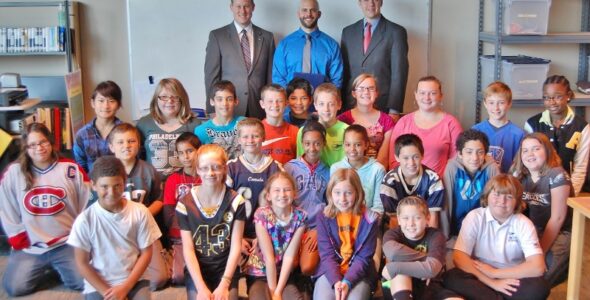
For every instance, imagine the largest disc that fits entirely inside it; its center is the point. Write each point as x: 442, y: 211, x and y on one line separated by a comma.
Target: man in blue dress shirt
x: 308, y: 52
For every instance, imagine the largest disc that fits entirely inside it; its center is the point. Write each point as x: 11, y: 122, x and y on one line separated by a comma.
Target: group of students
x: 302, y: 196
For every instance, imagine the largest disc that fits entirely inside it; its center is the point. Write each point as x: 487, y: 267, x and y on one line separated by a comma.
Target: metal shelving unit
x: 499, y: 39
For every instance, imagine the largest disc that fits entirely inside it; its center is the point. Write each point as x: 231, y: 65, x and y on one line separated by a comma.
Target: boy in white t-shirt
x: 113, y: 238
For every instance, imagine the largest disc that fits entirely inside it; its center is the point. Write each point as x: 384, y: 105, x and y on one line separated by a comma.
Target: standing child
x: 568, y: 133
x: 248, y: 172
x: 311, y: 176
x: 299, y: 93
x: 113, y: 238
x: 142, y: 186
x: 280, y: 140
x: 327, y: 101
x: 412, y: 178
x: 170, y: 115
x: 279, y: 227
x: 211, y: 219
x: 546, y: 189
x: 91, y: 140
x: 222, y: 128
x: 377, y: 123
x: 504, y: 136
x: 415, y: 254
x: 356, y: 143
x: 176, y: 186
x: 347, y: 236
x: 41, y: 196
x: 465, y: 177
x: 497, y: 253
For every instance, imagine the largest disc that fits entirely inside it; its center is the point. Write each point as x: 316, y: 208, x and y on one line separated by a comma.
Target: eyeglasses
x: 553, y: 98
x: 365, y: 88
x: 172, y: 99
x: 213, y: 168
x: 34, y: 146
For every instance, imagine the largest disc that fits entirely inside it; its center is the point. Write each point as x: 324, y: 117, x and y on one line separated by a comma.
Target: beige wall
x: 454, y: 48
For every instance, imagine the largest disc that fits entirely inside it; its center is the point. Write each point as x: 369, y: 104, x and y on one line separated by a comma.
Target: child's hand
x: 204, y: 294
x: 254, y: 246
x: 245, y: 247
x: 385, y: 274
x: 506, y: 286
x: 220, y: 293
x: 118, y: 292
x: 276, y: 296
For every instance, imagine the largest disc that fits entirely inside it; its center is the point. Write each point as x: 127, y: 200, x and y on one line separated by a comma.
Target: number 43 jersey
x: 211, y: 231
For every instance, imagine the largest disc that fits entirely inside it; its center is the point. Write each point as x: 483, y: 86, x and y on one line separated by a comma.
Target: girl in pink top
x: 377, y: 123
x: 437, y: 129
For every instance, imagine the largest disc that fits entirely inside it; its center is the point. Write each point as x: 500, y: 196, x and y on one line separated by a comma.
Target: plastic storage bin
x: 524, y: 74
x: 526, y: 16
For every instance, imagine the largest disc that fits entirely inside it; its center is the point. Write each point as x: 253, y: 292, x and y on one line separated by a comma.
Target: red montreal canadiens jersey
x: 45, y: 213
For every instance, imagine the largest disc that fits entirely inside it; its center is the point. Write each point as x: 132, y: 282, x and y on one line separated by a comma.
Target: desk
x: 581, y: 211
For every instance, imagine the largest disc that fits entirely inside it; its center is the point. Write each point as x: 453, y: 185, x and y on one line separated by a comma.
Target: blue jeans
x: 140, y: 291
x: 25, y: 271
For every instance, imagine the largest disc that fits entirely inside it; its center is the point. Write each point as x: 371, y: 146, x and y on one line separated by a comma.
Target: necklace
x: 209, y: 211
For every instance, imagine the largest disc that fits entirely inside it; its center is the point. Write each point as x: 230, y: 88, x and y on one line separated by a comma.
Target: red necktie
x: 367, y: 39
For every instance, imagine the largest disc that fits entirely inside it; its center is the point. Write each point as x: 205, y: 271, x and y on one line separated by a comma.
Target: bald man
x: 323, y: 58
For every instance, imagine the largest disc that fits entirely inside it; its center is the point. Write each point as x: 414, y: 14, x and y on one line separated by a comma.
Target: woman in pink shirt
x: 437, y: 129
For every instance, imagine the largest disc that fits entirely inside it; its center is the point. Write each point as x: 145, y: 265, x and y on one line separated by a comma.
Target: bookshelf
x: 36, y: 55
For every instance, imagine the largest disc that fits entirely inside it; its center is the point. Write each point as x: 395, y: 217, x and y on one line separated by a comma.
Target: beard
x: 313, y: 25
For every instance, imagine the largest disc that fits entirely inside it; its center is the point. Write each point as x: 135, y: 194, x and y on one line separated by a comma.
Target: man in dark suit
x: 241, y: 53
x: 377, y: 46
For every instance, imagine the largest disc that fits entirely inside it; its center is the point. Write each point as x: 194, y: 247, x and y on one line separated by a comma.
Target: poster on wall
x: 75, y: 103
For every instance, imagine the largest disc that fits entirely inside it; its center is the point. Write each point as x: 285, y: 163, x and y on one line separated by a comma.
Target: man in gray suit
x: 377, y: 46
x: 241, y: 53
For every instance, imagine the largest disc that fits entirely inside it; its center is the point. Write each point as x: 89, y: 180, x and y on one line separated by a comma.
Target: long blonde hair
x: 175, y: 87
x: 353, y: 178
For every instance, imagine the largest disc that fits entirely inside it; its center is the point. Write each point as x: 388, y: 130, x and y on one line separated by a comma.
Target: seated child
x: 497, y: 254
x: 356, y: 143
x: 299, y: 93
x: 113, y: 238
x: 347, y: 237
x: 504, y: 136
x: 248, y: 173
x: 41, y: 195
x: 465, y: 177
x: 222, y: 128
x: 280, y: 137
x: 279, y: 228
x: 311, y: 176
x: 327, y: 101
x: 415, y: 254
x: 177, y: 185
x: 546, y: 189
x: 412, y: 178
x: 91, y: 140
x: 142, y: 185
x: 211, y: 219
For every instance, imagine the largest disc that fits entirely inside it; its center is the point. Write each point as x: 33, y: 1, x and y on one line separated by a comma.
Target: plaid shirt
x: 89, y: 145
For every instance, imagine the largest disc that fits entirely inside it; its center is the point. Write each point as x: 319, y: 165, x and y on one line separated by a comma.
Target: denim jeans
x: 25, y: 271
x: 140, y: 291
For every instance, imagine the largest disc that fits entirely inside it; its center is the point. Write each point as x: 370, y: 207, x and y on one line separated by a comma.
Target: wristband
x: 226, y: 278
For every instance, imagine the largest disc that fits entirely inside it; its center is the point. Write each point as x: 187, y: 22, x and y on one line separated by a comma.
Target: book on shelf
x: 32, y: 39
x: 58, y: 121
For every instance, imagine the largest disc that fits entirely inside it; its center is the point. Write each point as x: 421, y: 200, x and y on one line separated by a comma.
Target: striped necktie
x: 245, y: 44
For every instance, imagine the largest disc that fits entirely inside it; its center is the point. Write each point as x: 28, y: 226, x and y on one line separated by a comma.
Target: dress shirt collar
x: 239, y: 27
x: 374, y: 22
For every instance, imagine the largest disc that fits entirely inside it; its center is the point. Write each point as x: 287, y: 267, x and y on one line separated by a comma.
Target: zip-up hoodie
x: 361, y: 266
x: 463, y: 192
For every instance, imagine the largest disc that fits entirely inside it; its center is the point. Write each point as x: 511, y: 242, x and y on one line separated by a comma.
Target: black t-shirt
x: 211, y: 236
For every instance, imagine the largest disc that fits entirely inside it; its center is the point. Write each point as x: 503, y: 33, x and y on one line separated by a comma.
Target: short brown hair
x: 175, y: 87
x: 413, y: 201
x: 351, y: 176
x: 247, y: 122
x: 328, y: 88
x: 506, y: 185
x: 498, y: 88
x: 223, y: 85
x: 122, y: 128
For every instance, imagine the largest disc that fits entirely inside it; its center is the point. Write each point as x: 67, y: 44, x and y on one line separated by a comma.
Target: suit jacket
x: 224, y: 61
x: 386, y: 59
